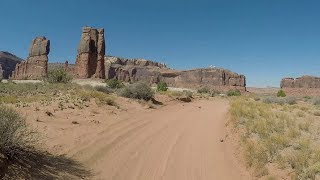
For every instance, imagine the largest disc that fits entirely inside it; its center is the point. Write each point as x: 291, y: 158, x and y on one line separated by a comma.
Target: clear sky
x: 262, y: 39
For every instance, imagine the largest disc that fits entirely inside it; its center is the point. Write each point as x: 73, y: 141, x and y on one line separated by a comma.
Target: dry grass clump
x: 67, y: 95
x: 14, y: 134
x: 273, y: 134
x: 21, y: 158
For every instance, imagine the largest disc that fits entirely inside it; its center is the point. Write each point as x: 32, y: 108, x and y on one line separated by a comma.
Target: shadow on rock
x: 34, y: 164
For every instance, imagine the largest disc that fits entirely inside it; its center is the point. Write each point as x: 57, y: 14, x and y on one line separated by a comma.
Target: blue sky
x: 262, y: 39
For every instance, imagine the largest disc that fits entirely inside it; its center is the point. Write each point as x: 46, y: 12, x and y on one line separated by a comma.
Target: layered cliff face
x: 8, y: 63
x: 131, y: 70
x: 91, y: 52
x: 215, y: 77
x: 36, y: 66
x: 301, y: 82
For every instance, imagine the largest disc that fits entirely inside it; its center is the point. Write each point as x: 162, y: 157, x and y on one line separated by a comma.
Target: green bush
x: 162, y: 86
x: 14, y: 134
x: 58, y: 76
x: 281, y: 93
x: 114, y: 83
x: 234, y: 93
x: 137, y: 90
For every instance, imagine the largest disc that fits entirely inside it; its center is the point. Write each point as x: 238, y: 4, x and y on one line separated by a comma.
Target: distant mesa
x: 92, y: 62
x: 8, y: 63
x: 301, y: 82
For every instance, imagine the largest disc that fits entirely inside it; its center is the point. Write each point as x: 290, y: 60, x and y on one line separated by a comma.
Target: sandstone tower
x: 36, y: 65
x: 91, y: 52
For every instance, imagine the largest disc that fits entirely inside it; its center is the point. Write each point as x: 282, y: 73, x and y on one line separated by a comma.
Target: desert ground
x: 85, y: 130
x: 176, y: 141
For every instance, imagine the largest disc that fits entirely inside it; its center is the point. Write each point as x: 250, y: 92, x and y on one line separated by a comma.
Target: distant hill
x: 8, y: 62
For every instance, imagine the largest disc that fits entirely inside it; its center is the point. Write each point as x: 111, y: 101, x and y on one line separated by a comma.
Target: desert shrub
x: 281, y: 93
x: 162, y: 86
x: 139, y: 90
x: 316, y: 113
x: 104, y: 100
x: 307, y: 97
x: 204, y: 90
x: 114, y: 83
x: 316, y: 101
x: 14, y: 134
x: 103, y: 89
x: 234, y: 93
x: 291, y: 100
x: 273, y: 100
x: 58, y: 76
x: 256, y: 98
x: 187, y: 93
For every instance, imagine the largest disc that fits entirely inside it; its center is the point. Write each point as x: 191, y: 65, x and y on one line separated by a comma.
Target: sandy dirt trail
x: 175, y: 142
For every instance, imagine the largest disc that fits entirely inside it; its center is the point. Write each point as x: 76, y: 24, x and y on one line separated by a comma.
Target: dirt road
x: 176, y: 142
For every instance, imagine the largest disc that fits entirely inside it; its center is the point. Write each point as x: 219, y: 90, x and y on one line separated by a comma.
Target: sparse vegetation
x: 139, y: 90
x: 58, y: 76
x: 114, y: 83
x: 162, y: 86
x: 271, y: 133
x: 280, y: 101
x: 281, y: 93
x: 14, y: 134
x: 208, y: 91
x: 204, y: 90
x: 103, y: 89
x: 234, y: 93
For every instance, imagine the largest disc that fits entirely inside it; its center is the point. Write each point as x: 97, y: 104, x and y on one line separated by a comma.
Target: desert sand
x: 176, y: 141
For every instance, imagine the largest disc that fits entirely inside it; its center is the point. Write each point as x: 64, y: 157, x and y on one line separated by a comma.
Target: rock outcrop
x: 1, y: 72
x: 36, y: 66
x: 91, y: 52
x: 131, y: 70
x: 301, y: 82
x: 8, y: 63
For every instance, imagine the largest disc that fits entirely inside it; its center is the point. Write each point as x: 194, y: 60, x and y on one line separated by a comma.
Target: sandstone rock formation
x: 301, y: 82
x: 36, y: 66
x: 91, y: 52
x: 8, y: 63
x: 131, y: 70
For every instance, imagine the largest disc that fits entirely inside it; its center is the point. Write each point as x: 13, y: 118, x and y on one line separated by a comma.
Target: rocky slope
x: 8, y: 63
x: 131, y: 70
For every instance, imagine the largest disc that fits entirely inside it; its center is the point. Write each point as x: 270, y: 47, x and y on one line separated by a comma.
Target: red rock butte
x: 91, y: 52
x: 36, y: 65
